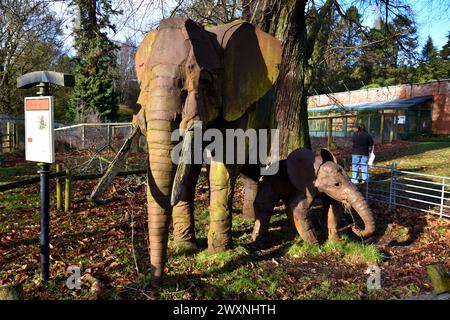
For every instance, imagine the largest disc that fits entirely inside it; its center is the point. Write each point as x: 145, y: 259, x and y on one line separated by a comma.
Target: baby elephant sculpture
x: 300, y: 179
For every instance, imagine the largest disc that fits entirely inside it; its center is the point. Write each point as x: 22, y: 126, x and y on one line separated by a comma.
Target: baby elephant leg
x: 299, y: 206
x: 264, y: 203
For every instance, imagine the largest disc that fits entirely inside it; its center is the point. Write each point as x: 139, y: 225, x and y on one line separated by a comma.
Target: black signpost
x: 42, y: 80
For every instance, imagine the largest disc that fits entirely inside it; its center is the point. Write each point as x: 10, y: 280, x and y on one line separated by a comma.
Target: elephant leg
x: 250, y: 191
x: 183, y: 211
x: 263, y: 205
x: 289, y: 213
x: 334, y: 214
x: 159, y: 211
x: 220, y: 179
x: 299, y: 206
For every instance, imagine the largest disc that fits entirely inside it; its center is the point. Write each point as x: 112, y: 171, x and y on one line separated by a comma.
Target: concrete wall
x: 439, y: 89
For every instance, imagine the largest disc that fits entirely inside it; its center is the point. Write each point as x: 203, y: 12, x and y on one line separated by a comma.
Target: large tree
x: 299, y: 24
x: 30, y: 40
x: 445, y: 55
x: 432, y: 65
x: 95, y: 60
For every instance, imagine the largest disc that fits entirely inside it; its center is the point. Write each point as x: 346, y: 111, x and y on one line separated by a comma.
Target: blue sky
x: 431, y: 16
x: 432, y: 19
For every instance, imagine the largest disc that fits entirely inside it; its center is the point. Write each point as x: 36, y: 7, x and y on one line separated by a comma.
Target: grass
x: 326, y: 291
x: 220, y: 261
x: 302, y: 249
x: 21, y: 171
x: 354, y: 252
x: 429, y: 157
x: 282, y: 272
x: 351, y: 251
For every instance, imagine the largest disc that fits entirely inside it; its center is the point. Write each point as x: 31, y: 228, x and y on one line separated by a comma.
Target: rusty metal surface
x: 251, y: 58
x: 227, y: 68
x: 225, y: 31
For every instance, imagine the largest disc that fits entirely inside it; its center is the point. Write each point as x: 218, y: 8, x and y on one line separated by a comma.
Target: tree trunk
x: 286, y: 21
x: 11, y: 292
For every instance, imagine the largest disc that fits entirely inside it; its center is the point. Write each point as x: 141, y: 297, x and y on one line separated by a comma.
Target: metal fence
x: 398, y: 188
x: 92, y: 135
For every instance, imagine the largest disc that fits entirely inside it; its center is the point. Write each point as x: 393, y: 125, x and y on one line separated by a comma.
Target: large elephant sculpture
x: 223, y: 77
x: 301, y: 178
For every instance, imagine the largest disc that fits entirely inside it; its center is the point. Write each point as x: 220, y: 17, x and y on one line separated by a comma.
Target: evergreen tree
x: 94, y: 92
x: 445, y: 52
x: 445, y: 56
x: 429, y: 51
x: 432, y: 66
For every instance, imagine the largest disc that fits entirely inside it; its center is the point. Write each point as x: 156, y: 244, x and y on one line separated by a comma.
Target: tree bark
x: 11, y: 292
x: 286, y: 21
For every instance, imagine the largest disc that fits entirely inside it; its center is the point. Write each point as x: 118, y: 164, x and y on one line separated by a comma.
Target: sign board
x: 39, y: 125
x: 401, y: 119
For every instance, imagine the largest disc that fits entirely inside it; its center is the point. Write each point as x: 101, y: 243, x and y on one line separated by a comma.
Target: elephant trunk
x: 160, y: 175
x: 361, y: 207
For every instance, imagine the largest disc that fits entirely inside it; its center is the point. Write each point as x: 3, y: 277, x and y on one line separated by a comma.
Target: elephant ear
x: 141, y: 64
x: 250, y: 60
x: 143, y: 54
x: 204, y: 50
x: 327, y: 156
x: 300, y: 169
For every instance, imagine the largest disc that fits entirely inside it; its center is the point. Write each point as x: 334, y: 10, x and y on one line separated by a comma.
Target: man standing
x: 362, y: 147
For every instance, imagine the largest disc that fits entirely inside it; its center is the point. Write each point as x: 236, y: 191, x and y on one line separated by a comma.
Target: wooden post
x: 16, y: 136
x: 369, y: 117
x: 13, y: 136
x: 108, y: 126
x: 68, y: 191
x: 83, y: 136
x: 393, y: 127
x: 58, y: 189
x: 344, y: 125
x: 8, y: 135
x: 382, y: 127
x: 330, y: 132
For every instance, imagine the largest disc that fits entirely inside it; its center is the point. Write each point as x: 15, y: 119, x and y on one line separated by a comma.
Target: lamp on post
x: 40, y: 144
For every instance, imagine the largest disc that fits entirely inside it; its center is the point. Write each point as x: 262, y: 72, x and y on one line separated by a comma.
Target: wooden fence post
x: 382, y: 127
x: 58, y: 189
x: 83, y: 136
x: 68, y: 191
x: 9, y: 136
x: 330, y: 133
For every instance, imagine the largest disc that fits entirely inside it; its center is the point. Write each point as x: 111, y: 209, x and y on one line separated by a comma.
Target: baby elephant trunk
x: 360, y: 205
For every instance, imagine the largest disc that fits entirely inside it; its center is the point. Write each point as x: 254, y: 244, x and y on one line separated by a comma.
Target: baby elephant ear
x: 327, y: 156
x: 300, y: 168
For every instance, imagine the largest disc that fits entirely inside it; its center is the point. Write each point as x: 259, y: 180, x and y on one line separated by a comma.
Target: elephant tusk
x: 183, y: 168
